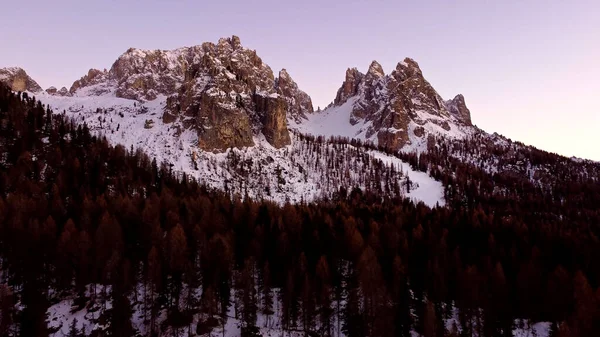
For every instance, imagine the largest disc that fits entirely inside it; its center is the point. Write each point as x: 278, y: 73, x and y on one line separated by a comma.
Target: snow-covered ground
x: 333, y: 121
x: 298, y: 172
x: 430, y: 191
x: 87, y: 317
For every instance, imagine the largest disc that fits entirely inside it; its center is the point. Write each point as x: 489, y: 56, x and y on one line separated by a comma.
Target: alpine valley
x: 388, y: 208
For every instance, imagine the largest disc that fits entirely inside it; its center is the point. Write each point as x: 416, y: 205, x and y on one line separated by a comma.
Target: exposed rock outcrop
x: 349, y: 87
x: 299, y: 103
x: 62, y: 92
x: 18, y: 80
x: 274, y: 119
x: 458, y: 108
x: 95, y: 80
x: 392, y: 105
x: 223, y: 91
x: 228, y: 95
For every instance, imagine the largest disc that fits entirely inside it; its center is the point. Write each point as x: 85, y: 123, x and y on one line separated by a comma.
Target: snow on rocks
x: 295, y: 173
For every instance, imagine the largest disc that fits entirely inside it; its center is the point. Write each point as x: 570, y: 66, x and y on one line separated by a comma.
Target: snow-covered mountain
x: 396, y: 111
x: 223, y: 92
x: 17, y: 79
x: 304, y: 170
x: 216, y: 112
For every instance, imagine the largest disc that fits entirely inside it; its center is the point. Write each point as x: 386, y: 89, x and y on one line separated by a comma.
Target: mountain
x: 299, y: 103
x: 224, y: 92
x: 228, y: 97
x: 192, y: 192
x: 102, y: 240
x: 396, y: 111
x: 62, y: 92
x: 217, y: 113
x: 18, y: 80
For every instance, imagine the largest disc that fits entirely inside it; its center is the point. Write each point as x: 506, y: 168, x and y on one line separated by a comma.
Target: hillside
x: 216, y: 112
x: 124, y: 246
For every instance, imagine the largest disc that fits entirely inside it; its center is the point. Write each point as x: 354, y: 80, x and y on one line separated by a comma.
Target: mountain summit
x: 18, y: 80
x: 400, y: 108
x: 228, y: 97
x: 186, y: 106
x: 223, y: 91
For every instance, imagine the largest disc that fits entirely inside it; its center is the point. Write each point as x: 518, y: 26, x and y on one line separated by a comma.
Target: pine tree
x: 6, y: 310
x: 267, y: 297
x: 429, y: 329
x: 73, y: 332
x: 177, y: 255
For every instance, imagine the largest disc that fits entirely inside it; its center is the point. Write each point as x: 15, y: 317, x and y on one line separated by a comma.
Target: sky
x: 529, y: 70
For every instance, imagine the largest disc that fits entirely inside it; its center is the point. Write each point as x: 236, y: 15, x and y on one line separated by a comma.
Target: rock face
x: 299, y: 103
x: 349, y: 87
x: 93, y: 78
x: 274, y: 120
x: 63, y: 92
x: 397, y: 107
x: 228, y: 96
x: 223, y: 91
x: 458, y: 108
x: 145, y: 74
x: 55, y: 92
x: 18, y: 80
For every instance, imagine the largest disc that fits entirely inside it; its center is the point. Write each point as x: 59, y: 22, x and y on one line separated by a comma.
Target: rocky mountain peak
x: 284, y: 75
x: 298, y: 102
x: 349, y: 87
x: 407, y: 69
x: 223, y: 91
x: 18, y: 80
x: 458, y: 108
x: 146, y: 74
x: 55, y: 92
x: 93, y: 77
x: 232, y: 42
x: 63, y: 92
x: 399, y: 108
x: 236, y: 43
x: 375, y: 70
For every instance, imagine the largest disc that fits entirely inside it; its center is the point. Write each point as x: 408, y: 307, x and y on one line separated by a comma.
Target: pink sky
x: 529, y: 70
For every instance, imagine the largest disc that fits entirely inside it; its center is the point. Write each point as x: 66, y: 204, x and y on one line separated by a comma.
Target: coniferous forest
x: 124, y: 236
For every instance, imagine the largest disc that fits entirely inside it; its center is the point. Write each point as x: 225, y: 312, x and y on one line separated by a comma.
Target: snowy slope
x: 298, y: 172
x: 430, y: 191
x: 334, y: 121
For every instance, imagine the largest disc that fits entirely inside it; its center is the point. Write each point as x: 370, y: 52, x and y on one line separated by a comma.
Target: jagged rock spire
x: 94, y: 76
x: 349, y: 87
x: 458, y: 108
x: 221, y: 90
x: 299, y: 103
x: 396, y: 107
x: 375, y: 70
